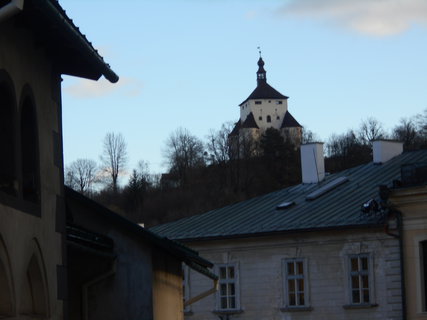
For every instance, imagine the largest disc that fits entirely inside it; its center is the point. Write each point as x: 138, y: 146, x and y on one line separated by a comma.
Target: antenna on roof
x: 259, y: 51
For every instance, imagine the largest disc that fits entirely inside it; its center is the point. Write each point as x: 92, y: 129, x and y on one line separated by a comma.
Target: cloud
x: 84, y: 88
x: 372, y: 17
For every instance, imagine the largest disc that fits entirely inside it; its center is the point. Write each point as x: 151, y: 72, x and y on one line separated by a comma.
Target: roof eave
x: 57, y: 16
x: 283, y: 232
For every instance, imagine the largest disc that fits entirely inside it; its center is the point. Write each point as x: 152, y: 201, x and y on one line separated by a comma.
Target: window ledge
x: 296, y: 309
x: 360, y: 306
x: 237, y: 311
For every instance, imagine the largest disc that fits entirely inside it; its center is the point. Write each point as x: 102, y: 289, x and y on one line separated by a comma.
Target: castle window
x: 268, y: 118
x: 279, y: 102
x: 29, y: 145
x: 8, y: 178
x: 277, y: 117
x: 260, y: 118
x: 257, y: 102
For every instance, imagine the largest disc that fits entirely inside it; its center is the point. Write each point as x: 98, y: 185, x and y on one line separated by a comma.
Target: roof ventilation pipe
x: 9, y: 8
x: 312, y: 162
x: 384, y: 150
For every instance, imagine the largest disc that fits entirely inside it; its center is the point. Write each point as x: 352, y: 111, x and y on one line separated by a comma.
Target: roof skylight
x: 326, y: 188
x: 285, y: 205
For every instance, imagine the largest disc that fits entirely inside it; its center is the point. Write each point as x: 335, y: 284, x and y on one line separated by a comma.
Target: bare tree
x: 183, y: 152
x: 406, y: 131
x: 114, y: 156
x: 81, y: 175
x: 218, y: 143
x: 370, y: 129
x: 308, y: 136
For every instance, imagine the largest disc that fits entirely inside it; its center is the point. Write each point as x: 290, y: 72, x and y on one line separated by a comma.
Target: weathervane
x: 259, y: 51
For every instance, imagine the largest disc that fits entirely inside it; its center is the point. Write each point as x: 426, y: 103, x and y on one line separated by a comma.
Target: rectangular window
x: 295, y: 283
x: 257, y: 102
x: 279, y: 102
x: 359, y: 279
x: 228, y: 297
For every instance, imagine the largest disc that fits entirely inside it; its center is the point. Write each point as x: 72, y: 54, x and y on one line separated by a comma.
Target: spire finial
x: 259, y: 51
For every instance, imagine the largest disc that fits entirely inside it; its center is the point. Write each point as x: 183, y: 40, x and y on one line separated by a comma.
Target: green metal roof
x: 339, y: 207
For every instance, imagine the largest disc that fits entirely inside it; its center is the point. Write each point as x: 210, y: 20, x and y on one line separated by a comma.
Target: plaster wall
x: 261, y: 280
x: 268, y: 107
x: 24, y: 233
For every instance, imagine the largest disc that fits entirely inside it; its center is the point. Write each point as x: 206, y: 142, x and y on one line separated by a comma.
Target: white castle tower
x: 266, y: 108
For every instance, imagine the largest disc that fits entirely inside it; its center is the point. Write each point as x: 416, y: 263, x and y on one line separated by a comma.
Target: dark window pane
x: 300, y: 267
x: 223, y: 272
x: 355, y: 296
x: 355, y: 282
x: 231, y: 289
x: 291, y: 285
x: 291, y: 269
x: 292, y: 301
x: 223, y: 289
x: 366, y: 296
x: 233, y: 302
x: 223, y: 303
x: 231, y: 272
x: 364, y: 261
x: 365, y: 282
x: 354, y: 264
x: 300, y: 284
x: 301, y: 299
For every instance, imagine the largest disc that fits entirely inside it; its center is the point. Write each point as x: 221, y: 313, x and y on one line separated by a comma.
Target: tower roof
x: 289, y: 121
x: 263, y: 89
x: 250, y: 122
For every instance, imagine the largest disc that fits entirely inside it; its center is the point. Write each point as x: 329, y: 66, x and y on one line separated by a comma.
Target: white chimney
x: 384, y: 150
x: 312, y: 162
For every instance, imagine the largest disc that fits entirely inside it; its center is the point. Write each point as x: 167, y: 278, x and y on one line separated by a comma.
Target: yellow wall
x: 412, y: 202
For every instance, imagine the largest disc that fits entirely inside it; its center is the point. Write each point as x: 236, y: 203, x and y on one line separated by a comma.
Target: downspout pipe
x: 10, y: 9
x: 85, y: 288
x: 399, y: 236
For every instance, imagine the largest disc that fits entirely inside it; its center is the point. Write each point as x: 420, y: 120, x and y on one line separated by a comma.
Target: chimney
x: 312, y: 162
x: 384, y: 150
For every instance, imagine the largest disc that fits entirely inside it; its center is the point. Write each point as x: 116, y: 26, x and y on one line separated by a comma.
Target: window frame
x: 369, y: 273
x: 236, y: 281
x: 285, y: 278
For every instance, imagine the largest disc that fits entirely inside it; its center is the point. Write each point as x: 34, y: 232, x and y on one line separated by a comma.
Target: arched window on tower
x: 29, y: 152
x: 268, y: 118
x: 8, y: 177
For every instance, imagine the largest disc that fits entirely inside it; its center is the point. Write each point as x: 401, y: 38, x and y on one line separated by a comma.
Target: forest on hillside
x: 204, y: 175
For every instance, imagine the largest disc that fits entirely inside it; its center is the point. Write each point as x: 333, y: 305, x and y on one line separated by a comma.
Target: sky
x: 190, y: 63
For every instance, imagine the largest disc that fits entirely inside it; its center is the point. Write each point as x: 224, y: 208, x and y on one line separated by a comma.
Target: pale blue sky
x: 189, y: 63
